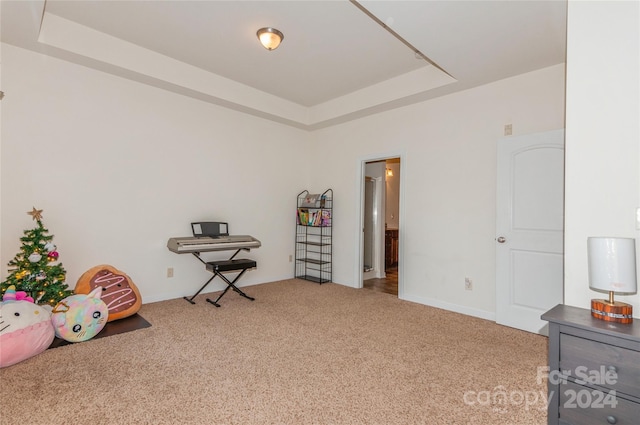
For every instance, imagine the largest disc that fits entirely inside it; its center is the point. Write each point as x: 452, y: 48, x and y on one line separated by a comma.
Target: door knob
x: 501, y: 239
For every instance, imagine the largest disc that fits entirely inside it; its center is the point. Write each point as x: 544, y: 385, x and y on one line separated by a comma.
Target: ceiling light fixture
x: 270, y: 37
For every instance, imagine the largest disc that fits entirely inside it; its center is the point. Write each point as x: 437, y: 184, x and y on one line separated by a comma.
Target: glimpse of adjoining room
x: 381, y: 225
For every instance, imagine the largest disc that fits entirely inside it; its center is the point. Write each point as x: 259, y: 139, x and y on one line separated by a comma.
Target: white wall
x: 602, y: 135
x: 119, y: 167
x: 448, y: 164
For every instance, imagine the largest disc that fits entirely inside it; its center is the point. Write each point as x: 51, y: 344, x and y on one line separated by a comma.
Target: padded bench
x: 224, y: 266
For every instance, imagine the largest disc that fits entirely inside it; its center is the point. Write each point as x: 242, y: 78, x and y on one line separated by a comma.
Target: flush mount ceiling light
x: 270, y: 37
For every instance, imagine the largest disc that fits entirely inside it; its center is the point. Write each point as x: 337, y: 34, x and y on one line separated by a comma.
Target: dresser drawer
x: 594, y: 362
x: 584, y: 406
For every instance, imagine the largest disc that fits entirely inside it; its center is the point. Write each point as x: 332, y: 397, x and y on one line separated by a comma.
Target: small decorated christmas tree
x: 35, y: 269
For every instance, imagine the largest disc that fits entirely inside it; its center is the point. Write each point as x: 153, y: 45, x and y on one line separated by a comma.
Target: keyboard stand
x: 222, y: 266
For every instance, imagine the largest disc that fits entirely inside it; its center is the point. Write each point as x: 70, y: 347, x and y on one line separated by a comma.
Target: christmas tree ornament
x: 53, y: 255
x: 36, y: 214
x: 35, y: 257
x: 49, y: 247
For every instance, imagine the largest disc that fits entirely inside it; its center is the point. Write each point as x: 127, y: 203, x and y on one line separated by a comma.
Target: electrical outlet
x: 291, y: 258
x: 170, y: 272
x: 508, y: 130
x: 468, y: 283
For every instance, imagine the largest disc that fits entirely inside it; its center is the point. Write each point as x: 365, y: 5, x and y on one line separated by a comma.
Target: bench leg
x: 230, y: 285
x: 199, y: 290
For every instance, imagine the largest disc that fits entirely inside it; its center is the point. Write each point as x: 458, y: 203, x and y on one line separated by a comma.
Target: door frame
x: 378, y: 237
x: 359, y: 236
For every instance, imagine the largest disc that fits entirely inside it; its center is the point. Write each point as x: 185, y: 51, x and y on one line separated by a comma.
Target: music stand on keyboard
x: 219, y: 267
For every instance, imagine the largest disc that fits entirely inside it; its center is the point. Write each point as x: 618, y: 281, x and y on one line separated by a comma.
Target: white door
x: 529, y: 225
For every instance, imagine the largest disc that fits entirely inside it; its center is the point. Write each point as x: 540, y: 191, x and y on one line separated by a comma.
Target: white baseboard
x: 214, y: 286
x: 456, y: 308
x: 179, y: 294
x: 432, y: 302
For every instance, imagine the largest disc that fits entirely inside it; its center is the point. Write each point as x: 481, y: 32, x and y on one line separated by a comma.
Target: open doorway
x: 380, y: 253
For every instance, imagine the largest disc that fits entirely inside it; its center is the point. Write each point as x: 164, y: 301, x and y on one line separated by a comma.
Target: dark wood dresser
x: 391, y: 247
x: 594, y: 369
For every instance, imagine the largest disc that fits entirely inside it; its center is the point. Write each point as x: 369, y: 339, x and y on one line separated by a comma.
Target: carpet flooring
x: 301, y: 353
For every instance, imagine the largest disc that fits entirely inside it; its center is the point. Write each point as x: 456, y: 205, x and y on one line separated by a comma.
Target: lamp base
x: 612, y: 312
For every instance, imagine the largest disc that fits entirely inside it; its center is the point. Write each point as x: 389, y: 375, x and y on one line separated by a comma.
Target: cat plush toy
x: 79, y: 318
x: 25, y: 327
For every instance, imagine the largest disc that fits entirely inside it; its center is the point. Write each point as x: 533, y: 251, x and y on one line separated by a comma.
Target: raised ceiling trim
x: 127, y: 60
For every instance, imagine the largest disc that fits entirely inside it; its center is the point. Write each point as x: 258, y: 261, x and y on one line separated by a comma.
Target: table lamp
x: 612, y: 268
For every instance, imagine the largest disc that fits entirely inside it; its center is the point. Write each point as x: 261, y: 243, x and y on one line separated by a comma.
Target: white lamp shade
x: 612, y: 264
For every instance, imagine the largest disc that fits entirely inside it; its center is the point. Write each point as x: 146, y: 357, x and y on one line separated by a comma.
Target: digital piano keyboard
x: 195, y: 244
